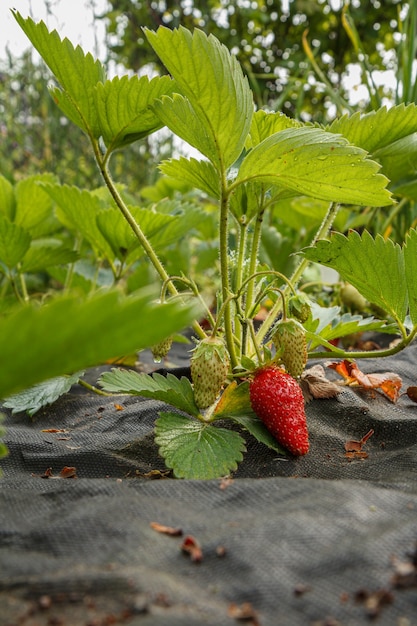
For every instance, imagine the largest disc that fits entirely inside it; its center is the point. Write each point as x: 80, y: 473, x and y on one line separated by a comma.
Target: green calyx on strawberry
x: 290, y: 343
x: 299, y: 306
x: 209, y: 369
x: 278, y: 401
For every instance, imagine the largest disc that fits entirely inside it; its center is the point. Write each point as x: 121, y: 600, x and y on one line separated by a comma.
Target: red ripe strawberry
x: 278, y: 401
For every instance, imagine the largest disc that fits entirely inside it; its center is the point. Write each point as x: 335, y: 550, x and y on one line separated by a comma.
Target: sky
x: 71, y: 18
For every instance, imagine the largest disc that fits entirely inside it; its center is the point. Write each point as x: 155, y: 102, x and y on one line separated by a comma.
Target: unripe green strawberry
x: 278, y: 401
x: 289, y: 339
x: 161, y: 349
x: 299, y: 307
x: 352, y: 299
x: 209, y: 368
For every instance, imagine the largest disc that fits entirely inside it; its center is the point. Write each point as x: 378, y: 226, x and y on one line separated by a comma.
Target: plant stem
x: 367, y: 354
x: 224, y: 272
x: 99, y: 392
x: 240, y: 264
x: 143, y: 240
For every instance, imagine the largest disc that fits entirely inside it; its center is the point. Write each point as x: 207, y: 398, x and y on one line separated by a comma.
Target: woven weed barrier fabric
x: 319, y: 540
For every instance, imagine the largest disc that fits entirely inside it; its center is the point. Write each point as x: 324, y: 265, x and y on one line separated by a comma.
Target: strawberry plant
x: 253, y: 166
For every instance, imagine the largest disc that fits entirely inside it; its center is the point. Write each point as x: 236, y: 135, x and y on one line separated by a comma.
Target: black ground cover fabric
x: 320, y: 540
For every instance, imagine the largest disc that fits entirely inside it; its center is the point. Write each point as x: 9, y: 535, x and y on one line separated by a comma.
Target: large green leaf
x: 43, y: 255
x: 123, y: 108
x: 119, y: 234
x: 169, y: 389
x: 398, y: 159
x: 14, y: 242
x: 377, y: 129
x: 323, y: 326
x: 374, y: 266
x: 81, y: 209
x: 33, y: 205
x: 69, y: 334
x: 199, y: 174
x: 316, y: 163
x: 389, y: 135
x: 76, y: 72
x: 195, y: 450
x: 7, y: 198
x: 410, y: 257
x: 264, y: 124
x: 213, y: 82
x: 179, y: 115
x: 40, y: 395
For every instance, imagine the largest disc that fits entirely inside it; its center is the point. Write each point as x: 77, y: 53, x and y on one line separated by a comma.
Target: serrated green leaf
x: 234, y: 401
x: 40, y: 395
x: 199, y: 174
x: 184, y: 218
x: 398, y: 158
x: 257, y: 429
x: 68, y: 334
x: 81, y: 209
x: 7, y: 198
x: 175, y: 391
x: 410, y: 258
x: 120, y: 236
x: 178, y: 114
x: 265, y: 124
x: 41, y: 256
x: 195, y: 450
x: 76, y: 72
x: 406, y: 188
x: 327, y: 325
x: 123, y: 108
x: 14, y: 242
x: 377, y: 129
x: 213, y: 82
x: 374, y: 266
x: 316, y: 163
x: 33, y: 204
x: 389, y: 135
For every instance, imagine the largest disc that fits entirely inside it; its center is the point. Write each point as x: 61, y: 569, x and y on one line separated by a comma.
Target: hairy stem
x: 146, y: 245
x: 224, y: 273
x: 365, y: 354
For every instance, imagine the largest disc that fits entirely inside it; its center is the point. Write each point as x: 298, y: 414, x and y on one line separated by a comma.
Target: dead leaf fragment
x: 226, y: 482
x: 191, y: 547
x: 314, y: 384
x: 405, y: 572
x: 374, y: 601
x: 68, y: 472
x: 54, y: 430
x: 356, y: 446
x: 388, y: 382
x: 244, y: 613
x: 47, y: 473
x: 166, y: 530
x: 412, y: 393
